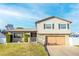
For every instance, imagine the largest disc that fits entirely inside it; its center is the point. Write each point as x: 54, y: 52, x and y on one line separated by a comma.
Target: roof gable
x: 51, y: 18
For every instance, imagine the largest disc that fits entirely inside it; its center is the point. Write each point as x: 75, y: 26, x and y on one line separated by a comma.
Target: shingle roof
x: 52, y: 17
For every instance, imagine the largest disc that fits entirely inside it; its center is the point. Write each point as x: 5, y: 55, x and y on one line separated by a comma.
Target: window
x: 62, y: 26
x: 47, y: 26
x: 18, y: 35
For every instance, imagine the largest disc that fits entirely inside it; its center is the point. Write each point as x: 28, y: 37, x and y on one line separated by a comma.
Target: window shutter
x: 67, y: 26
x: 59, y: 26
x: 53, y: 26
x: 44, y: 26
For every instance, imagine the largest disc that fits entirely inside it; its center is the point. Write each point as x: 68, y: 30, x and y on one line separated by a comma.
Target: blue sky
x: 25, y: 15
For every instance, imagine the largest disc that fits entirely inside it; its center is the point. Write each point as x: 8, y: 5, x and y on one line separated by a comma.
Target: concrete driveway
x: 63, y: 51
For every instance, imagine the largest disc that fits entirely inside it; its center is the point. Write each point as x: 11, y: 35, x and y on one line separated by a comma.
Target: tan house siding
x: 41, y: 39
x: 55, y: 21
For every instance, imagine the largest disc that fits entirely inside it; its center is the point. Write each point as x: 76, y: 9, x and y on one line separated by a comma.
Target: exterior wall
x: 67, y: 43
x: 55, y: 21
x: 42, y: 39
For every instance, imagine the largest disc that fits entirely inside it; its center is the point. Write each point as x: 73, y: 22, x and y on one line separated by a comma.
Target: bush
x: 26, y: 37
x: 8, y: 39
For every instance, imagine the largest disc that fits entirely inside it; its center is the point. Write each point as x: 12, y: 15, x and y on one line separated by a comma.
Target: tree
x: 19, y: 28
x: 9, y: 27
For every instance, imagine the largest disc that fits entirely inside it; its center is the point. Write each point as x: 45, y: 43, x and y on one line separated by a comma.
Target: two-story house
x: 53, y: 31
x: 49, y: 31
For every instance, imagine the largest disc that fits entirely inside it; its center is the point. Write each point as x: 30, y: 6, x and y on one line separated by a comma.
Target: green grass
x: 22, y: 49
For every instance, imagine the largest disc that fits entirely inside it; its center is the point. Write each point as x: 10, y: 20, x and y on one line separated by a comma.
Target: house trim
x: 51, y: 18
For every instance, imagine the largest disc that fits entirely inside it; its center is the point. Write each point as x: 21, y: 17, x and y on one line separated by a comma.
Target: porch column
x: 23, y: 37
x: 29, y: 38
x: 12, y: 36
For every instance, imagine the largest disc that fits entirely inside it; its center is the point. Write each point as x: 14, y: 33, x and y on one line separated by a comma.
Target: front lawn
x: 22, y: 49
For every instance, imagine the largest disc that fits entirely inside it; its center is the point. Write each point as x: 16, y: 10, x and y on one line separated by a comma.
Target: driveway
x: 63, y: 51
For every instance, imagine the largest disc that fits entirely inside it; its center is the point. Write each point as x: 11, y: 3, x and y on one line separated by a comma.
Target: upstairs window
x: 62, y: 26
x: 47, y: 26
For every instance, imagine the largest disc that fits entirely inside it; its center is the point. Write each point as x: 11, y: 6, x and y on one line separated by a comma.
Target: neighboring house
x: 2, y: 38
x: 53, y: 31
x: 49, y: 31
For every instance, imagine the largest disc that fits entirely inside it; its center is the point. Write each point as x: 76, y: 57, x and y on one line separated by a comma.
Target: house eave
x: 22, y: 30
x: 50, y: 18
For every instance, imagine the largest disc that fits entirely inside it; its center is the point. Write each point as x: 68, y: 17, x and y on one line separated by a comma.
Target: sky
x: 26, y: 14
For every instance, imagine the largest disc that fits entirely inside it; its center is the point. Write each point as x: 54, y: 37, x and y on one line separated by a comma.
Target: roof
x: 51, y: 18
x: 23, y: 30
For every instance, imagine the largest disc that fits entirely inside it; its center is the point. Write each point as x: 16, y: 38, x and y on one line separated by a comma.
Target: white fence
x: 74, y: 41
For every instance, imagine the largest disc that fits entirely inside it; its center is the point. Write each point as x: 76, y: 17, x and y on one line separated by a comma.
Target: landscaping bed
x: 22, y: 49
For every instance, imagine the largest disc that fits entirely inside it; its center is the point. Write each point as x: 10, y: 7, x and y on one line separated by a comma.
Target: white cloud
x: 24, y: 14
x: 10, y: 12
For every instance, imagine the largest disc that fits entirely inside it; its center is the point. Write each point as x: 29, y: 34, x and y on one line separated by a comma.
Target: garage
x: 56, y: 40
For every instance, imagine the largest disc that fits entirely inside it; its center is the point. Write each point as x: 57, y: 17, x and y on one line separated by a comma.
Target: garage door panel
x: 60, y: 40
x: 56, y: 40
x: 51, y: 40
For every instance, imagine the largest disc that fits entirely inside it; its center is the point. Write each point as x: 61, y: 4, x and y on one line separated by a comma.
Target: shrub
x: 8, y: 39
x: 26, y: 37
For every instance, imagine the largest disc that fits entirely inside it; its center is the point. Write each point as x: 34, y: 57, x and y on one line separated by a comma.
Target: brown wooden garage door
x: 57, y: 40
